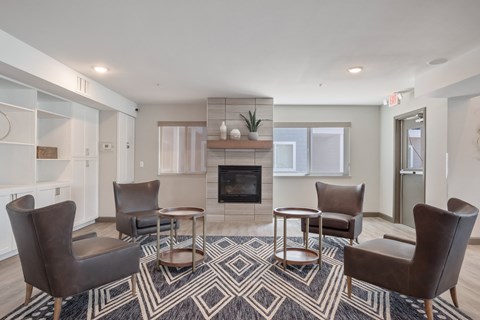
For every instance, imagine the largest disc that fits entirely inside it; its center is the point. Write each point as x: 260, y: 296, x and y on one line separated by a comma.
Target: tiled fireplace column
x: 229, y: 110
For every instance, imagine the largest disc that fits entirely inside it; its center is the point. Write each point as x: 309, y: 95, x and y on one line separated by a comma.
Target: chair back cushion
x: 43, y: 237
x: 133, y: 197
x: 442, y: 239
x: 340, y: 199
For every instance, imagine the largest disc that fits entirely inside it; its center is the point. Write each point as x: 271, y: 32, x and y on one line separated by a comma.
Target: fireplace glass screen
x: 240, y: 184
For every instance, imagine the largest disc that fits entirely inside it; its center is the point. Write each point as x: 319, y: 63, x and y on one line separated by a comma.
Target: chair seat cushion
x: 333, y: 220
x: 147, y: 219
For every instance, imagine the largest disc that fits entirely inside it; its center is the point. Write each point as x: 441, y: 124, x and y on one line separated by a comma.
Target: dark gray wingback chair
x: 342, y: 211
x: 423, y: 269
x: 136, y: 207
x: 61, y: 266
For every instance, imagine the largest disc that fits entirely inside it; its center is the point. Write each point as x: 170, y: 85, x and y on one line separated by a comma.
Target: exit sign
x: 393, y: 100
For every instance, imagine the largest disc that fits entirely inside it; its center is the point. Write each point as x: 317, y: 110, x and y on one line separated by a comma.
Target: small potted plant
x: 252, y: 124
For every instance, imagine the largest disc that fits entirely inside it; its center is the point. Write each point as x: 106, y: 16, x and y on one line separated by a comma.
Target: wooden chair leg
x: 453, y: 294
x: 57, y: 308
x: 351, y: 242
x: 429, y: 308
x: 28, y: 293
x: 349, y: 287
x: 356, y: 239
x: 120, y: 236
x: 134, y: 284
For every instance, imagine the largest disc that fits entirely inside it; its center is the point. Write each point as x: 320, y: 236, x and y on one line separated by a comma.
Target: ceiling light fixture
x: 355, y: 70
x: 437, y: 61
x: 100, y: 69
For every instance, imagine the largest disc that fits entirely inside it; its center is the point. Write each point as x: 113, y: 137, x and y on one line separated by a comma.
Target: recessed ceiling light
x: 436, y: 61
x: 100, y: 69
x: 355, y: 70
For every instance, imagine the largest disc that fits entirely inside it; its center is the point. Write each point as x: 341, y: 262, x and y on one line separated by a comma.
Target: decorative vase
x: 235, y: 134
x: 253, y: 136
x: 223, y: 131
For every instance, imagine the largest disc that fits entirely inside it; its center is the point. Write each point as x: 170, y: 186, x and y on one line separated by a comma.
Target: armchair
x: 423, y: 269
x: 61, y: 266
x: 136, y: 207
x: 342, y: 214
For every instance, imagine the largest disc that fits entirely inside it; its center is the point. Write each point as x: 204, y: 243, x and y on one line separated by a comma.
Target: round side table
x: 297, y: 256
x: 181, y: 257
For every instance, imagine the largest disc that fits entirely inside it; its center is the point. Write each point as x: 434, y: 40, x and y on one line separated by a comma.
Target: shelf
x: 42, y: 114
x: 39, y: 159
x: 240, y: 144
x: 10, y: 107
x: 13, y: 143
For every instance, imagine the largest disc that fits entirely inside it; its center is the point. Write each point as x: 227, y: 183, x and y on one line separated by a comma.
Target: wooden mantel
x: 239, y: 144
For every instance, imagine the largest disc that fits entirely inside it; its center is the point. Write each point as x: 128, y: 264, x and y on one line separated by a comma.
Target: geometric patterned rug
x: 239, y: 280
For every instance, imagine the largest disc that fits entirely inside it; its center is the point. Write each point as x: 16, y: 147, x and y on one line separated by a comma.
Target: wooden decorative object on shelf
x: 47, y: 152
x: 239, y: 144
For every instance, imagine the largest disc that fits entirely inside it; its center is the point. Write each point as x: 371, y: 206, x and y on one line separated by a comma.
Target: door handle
x: 404, y: 172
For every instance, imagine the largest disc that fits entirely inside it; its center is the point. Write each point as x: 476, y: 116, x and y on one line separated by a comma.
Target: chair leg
x: 351, y: 242
x: 120, y: 235
x: 356, y: 239
x: 429, y: 308
x: 349, y: 287
x: 134, y: 284
x: 57, y: 308
x: 453, y: 294
x: 28, y: 293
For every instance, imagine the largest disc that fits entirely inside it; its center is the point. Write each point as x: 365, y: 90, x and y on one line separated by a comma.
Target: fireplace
x: 240, y: 184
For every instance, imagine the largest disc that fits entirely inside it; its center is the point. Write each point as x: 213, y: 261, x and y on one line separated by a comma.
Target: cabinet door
x: 62, y: 194
x: 84, y: 190
x: 91, y: 132
x: 85, y: 122
x: 6, y: 234
x: 91, y: 190
x: 78, y: 190
x: 45, y: 197
x: 78, y: 130
x: 126, y: 148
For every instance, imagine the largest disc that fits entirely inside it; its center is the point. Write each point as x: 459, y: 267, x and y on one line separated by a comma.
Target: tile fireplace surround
x: 229, y: 110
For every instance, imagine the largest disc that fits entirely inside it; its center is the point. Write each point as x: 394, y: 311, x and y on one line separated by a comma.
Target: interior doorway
x: 409, y: 164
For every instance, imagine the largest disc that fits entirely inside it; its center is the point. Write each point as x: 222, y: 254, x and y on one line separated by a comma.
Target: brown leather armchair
x: 136, y: 207
x: 423, y: 269
x: 342, y: 211
x: 61, y: 266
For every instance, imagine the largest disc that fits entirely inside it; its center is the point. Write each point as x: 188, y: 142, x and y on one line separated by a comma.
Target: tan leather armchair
x: 136, y: 207
x: 61, y: 266
x: 342, y: 211
x: 423, y: 269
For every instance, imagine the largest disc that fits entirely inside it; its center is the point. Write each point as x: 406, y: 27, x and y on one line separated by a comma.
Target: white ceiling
x: 181, y: 52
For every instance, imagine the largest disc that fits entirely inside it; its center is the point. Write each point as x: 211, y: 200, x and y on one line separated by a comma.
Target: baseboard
x: 378, y: 215
x: 474, y: 241
x: 105, y: 219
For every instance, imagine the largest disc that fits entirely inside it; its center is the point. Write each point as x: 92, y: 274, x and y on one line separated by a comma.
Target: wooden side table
x: 297, y: 256
x: 181, y: 257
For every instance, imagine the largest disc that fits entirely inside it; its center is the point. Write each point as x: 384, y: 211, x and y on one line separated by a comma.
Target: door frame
x: 397, y: 158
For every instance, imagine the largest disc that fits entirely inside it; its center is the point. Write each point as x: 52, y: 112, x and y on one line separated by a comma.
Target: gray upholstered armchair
x: 423, y: 269
x: 136, y: 207
x: 61, y: 266
x: 342, y: 211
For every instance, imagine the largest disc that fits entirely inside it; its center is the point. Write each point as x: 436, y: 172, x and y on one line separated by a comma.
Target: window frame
x: 185, y: 125
x: 346, y: 126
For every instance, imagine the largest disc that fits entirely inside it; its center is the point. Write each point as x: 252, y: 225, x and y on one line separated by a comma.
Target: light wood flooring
x: 12, y: 287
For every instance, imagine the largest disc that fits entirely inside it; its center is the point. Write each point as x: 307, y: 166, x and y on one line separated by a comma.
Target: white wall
x: 364, y: 146
x: 436, y: 149
x: 464, y: 151
x: 175, y: 190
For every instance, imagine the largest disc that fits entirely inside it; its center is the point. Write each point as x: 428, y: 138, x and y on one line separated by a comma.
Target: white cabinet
x: 126, y: 148
x: 51, y: 193
x: 85, y: 190
x: 7, y: 241
x: 85, y: 131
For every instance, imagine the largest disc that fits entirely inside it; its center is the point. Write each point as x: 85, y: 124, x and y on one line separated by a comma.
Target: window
x: 319, y: 149
x: 182, y: 147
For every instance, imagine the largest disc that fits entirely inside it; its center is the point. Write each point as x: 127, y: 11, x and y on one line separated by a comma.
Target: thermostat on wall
x: 106, y: 146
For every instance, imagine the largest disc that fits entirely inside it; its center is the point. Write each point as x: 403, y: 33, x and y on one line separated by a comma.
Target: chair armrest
x: 388, y: 236
x: 85, y: 236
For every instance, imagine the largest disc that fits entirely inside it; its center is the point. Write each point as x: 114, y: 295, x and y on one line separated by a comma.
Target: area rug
x: 239, y: 280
